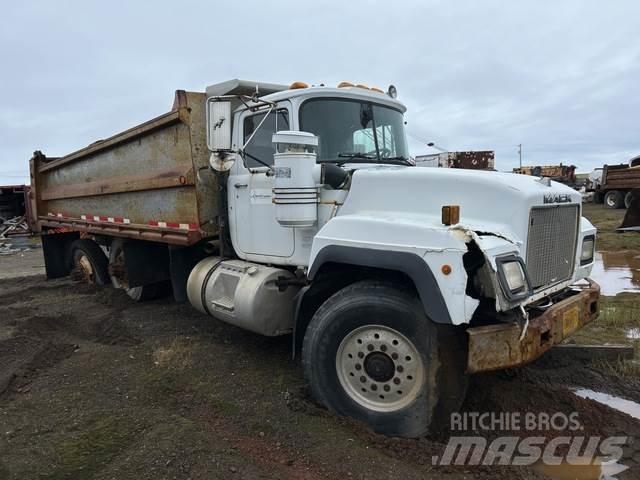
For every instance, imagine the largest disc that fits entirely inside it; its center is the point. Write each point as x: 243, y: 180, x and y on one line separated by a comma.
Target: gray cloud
x: 559, y: 77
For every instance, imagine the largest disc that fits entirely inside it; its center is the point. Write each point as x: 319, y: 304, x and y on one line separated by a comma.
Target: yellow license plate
x: 570, y: 320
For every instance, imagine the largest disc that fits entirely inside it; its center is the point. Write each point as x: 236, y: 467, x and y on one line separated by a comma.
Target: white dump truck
x: 296, y: 210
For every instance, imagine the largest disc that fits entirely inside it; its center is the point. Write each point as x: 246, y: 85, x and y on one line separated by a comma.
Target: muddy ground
x: 93, y: 385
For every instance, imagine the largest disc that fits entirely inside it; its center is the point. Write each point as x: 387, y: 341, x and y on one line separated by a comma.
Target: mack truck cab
x: 297, y: 210
x: 397, y: 282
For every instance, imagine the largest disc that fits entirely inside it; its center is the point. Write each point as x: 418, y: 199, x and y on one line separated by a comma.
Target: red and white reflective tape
x: 176, y: 225
x: 100, y: 218
x: 58, y: 215
x: 126, y: 221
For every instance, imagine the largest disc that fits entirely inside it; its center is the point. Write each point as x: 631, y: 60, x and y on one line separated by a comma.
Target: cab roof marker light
x: 298, y: 85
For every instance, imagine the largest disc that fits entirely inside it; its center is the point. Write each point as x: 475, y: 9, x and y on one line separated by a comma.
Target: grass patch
x: 96, y: 446
x: 618, y: 315
x: 606, y: 220
x: 620, y: 368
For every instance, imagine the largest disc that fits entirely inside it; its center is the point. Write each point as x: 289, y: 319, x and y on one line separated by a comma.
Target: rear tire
x: 118, y: 275
x: 628, y: 198
x: 89, y: 263
x: 371, y: 353
x: 614, y: 199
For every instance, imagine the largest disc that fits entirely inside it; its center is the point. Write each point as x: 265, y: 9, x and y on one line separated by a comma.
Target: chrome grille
x: 551, y: 245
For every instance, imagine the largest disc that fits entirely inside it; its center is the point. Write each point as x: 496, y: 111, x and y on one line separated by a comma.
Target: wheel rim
x: 85, y: 269
x: 610, y: 201
x: 379, y: 368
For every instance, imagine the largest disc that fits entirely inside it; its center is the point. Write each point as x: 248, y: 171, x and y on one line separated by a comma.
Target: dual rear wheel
x: 90, y: 265
x: 618, y: 199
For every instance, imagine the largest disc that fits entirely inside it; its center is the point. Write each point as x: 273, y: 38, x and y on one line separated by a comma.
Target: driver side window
x: 261, y: 148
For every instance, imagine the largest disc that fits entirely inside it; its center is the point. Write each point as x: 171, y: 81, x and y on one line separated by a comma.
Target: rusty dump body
x: 620, y: 177
x: 560, y: 173
x: 494, y: 347
x: 471, y: 160
x: 151, y: 182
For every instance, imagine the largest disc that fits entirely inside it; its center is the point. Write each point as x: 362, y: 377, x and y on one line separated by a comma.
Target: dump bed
x: 150, y: 182
x: 620, y: 177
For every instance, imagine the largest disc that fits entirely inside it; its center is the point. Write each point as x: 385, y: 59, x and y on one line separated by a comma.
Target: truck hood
x: 490, y: 202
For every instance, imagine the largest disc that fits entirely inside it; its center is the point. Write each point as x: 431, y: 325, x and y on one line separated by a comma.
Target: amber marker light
x: 450, y: 214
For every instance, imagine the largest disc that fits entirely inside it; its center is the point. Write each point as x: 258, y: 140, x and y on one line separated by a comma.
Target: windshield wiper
x: 369, y: 158
x: 365, y: 156
x: 399, y: 160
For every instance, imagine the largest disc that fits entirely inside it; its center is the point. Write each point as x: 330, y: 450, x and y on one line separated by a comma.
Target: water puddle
x: 611, y: 401
x: 617, y: 272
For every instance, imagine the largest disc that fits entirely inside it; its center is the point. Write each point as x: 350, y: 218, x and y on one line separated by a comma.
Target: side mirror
x: 219, y: 134
x: 218, y: 125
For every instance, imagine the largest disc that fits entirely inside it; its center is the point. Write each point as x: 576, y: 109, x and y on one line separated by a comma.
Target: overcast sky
x: 562, y: 78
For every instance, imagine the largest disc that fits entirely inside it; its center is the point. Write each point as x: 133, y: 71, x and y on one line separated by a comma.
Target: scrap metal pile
x: 13, y: 226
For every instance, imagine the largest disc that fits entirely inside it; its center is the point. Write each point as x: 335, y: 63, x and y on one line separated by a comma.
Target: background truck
x: 296, y: 210
x: 615, y: 184
x: 560, y: 173
x: 472, y: 160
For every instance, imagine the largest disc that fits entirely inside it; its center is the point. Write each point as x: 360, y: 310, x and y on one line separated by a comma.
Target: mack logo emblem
x: 557, y: 198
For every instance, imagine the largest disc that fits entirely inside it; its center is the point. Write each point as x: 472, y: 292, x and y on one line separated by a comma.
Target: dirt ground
x: 95, y: 386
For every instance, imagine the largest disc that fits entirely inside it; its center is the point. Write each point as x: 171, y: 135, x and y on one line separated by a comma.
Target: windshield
x: 353, y: 129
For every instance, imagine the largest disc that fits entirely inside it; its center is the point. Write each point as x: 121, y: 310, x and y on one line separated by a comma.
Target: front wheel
x: 372, y: 354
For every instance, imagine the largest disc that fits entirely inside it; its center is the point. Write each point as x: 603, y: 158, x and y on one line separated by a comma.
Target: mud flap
x: 56, y: 248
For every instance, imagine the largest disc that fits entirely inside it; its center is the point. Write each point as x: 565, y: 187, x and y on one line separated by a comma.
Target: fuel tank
x: 248, y: 295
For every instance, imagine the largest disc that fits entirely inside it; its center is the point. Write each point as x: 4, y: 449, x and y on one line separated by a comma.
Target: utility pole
x: 520, y: 154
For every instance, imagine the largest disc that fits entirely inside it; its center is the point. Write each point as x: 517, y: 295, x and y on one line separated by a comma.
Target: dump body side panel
x: 620, y: 177
x: 150, y: 182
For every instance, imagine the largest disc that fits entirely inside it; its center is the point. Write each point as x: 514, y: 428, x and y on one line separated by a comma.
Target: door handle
x: 241, y: 185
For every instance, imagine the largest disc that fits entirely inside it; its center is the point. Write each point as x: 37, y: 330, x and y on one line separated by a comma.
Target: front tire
x: 371, y: 353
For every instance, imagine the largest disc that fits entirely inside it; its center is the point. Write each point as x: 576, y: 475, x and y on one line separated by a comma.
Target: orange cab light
x: 296, y: 85
x: 345, y: 85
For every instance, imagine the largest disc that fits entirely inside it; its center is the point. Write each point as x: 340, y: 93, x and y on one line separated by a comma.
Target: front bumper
x: 493, y: 347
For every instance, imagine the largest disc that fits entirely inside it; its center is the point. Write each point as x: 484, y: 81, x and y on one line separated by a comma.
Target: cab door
x: 250, y: 188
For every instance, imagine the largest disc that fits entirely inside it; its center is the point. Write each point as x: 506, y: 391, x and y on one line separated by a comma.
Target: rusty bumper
x: 493, y: 347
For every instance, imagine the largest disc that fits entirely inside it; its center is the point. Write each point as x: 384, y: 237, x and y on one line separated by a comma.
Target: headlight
x: 588, y: 247
x: 513, y: 278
